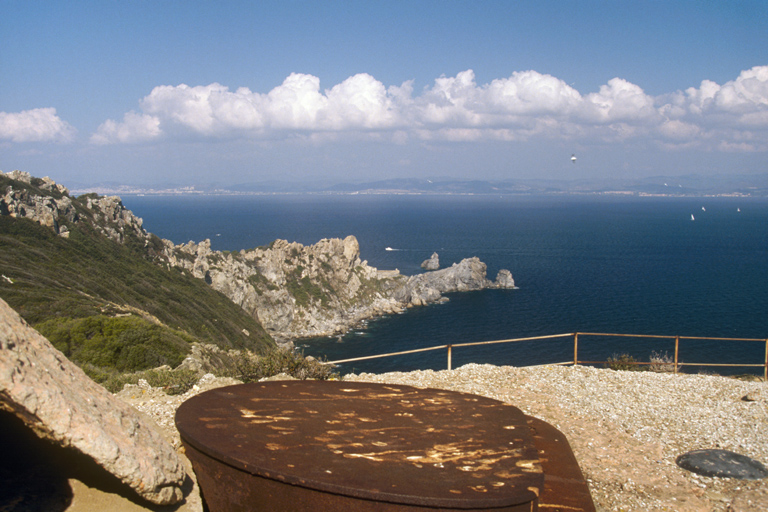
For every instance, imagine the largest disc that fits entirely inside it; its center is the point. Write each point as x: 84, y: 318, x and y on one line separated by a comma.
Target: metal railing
x: 677, y: 363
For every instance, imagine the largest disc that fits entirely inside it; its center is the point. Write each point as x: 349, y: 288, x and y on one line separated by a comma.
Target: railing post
x: 575, y: 349
x: 765, y: 369
x: 677, y: 350
x: 449, y: 357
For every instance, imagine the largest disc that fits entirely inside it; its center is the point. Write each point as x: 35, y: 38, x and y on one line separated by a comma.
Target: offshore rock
x: 504, y: 279
x: 433, y: 263
x: 467, y: 275
x: 57, y: 401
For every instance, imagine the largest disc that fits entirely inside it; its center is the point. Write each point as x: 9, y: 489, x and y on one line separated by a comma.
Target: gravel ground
x: 625, y: 428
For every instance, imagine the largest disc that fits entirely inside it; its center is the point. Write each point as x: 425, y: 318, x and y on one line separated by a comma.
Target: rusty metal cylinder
x: 314, y: 446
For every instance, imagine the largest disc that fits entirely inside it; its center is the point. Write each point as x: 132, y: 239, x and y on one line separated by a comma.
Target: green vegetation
x: 259, y: 282
x: 623, y: 362
x: 245, y: 366
x: 77, y: 291
x: 249, y: 368
x: 304, y: 290
x: 125, y: 343
x: 173, y: 382
x: 659, y: 363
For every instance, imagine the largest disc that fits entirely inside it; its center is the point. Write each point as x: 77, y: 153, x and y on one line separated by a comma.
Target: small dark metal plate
x: 722, y: 463
x: 378, y: 442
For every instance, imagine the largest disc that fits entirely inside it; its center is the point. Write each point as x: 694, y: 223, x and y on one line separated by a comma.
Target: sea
x: 660, y: 266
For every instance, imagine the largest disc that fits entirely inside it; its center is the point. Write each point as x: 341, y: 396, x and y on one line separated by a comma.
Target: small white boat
x: 703, y: 209
x: 692, y: 217
x: 389, y: 249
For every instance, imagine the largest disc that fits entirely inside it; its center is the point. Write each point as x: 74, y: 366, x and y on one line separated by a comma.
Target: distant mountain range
x: 755, y: 185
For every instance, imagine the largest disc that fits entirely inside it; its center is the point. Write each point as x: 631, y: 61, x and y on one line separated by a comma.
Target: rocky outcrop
x: 53, y: 207
x: 433, y: 263
x: 114, y: 220
x: 56, y: 400
x: 467, y: 275
x: 301, y: 291
x: 295, y: 290
x: 48, y: 210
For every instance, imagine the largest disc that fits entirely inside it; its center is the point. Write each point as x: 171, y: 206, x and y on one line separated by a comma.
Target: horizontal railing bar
x: 722, y: 364
x: 720, y: 339
x: 640, y: 363
x: 511, y: 340
x: 666, y: 336
x: 386, y: 355
x: 625, y: 335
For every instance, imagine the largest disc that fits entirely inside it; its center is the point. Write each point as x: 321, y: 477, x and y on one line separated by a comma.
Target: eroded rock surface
x: 433, y: 263
x: 60, y: 403
x: 301, y: 291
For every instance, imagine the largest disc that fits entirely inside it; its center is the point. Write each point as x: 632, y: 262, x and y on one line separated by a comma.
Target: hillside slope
x: 86, y: 274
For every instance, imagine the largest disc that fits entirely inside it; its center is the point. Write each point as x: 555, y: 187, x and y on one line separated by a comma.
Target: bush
x: 173, y: 382
x: 661, y: 363
x: 249, y: 367
x: 622, y: 362
x: 122, y: 344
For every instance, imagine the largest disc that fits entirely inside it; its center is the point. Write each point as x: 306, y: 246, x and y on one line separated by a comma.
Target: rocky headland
x: 293, y: 290
x: 323, y: 289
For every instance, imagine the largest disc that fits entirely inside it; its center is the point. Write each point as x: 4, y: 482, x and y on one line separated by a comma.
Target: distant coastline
x: 751, y: 185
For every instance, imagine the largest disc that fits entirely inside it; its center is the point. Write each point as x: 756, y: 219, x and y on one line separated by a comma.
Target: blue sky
x: 241, y: 92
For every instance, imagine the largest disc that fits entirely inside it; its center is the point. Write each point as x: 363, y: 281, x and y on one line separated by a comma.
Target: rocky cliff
x: 106, y: 214
x: 300, y: 291
x: 293, y: 290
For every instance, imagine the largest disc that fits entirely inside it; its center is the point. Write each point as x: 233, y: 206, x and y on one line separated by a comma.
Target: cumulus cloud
x: 36, y: 125
x: 134, y: 128
x: 524, y: 105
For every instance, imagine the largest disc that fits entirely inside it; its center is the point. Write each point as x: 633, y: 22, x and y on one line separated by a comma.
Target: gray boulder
x: 504, y: 279
x: 433, y: 263
x: 57, y: 401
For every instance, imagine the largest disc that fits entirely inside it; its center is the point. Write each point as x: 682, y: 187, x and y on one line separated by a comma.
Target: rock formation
x: 433, y: 263
x: 107, y: 214
x: 293, y: 290
x: 60, y: 403
x: 46, y: 210
x: 300, y: 291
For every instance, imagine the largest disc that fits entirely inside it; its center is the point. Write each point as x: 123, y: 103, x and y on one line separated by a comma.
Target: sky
x: 241, y: 92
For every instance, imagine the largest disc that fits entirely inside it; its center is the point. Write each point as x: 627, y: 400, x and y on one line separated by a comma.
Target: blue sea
x: 635, y: 265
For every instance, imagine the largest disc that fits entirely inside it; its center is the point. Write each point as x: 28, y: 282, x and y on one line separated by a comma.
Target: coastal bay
x: 580, y: 263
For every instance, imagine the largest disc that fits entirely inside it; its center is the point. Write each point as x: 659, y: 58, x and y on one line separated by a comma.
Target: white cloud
x: 619, y: 100
x: 525, y: 105
x: 295, y: 104
x: 36, y: 125
x: 134, y: 128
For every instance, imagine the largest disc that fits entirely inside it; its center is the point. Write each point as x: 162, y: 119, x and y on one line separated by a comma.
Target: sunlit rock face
x: 56, y: 400
x: 322, y: 289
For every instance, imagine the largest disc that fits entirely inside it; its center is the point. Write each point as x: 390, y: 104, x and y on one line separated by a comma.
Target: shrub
x: 123, y: 344
x: 661, y: 363
x: 173, y: 382
x: 249, y: 367
x: 622, y: 362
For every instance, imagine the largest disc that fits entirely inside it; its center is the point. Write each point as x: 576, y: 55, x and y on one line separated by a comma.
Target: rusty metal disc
x: 390, y: 443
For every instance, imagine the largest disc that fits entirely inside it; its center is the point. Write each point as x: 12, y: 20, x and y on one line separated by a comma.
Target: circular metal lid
x: 390, y: 443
